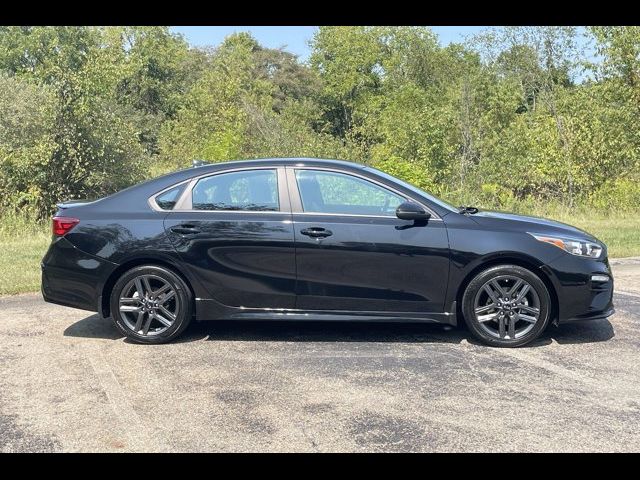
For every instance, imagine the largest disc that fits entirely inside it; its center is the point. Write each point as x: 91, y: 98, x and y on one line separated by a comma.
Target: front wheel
x: 151, y: 304
x: 506, y: 306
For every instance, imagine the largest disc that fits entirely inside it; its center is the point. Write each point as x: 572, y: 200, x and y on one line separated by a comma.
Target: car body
x: 313, y: 239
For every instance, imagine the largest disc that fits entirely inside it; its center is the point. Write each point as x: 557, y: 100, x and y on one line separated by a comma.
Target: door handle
x: 316, y: 232
x: 185, y: 229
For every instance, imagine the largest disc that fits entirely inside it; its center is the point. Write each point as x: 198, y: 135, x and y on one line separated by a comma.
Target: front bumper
x: 579, y: 296
x: 590, y: 317
x: 72, y: 277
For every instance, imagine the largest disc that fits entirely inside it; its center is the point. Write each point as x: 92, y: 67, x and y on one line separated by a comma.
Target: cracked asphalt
x: 69, y: 382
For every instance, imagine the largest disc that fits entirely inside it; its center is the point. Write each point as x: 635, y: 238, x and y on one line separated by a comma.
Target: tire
x: 164, y: 294
x: 506, y: 324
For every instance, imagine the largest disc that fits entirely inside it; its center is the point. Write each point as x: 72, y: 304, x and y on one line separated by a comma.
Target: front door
x: 354, y: 254
x: 235, y: 235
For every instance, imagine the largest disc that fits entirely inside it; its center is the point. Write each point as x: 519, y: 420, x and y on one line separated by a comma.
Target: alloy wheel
x: 507, y: 307
x: 148, y: 305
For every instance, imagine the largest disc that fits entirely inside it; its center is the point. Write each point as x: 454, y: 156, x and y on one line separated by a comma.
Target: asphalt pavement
x: 70, y: 382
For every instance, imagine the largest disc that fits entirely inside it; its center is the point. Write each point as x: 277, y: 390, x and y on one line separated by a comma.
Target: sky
x: 295, y: 39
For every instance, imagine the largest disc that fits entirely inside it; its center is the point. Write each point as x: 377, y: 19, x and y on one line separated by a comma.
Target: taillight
x: 62, y: 225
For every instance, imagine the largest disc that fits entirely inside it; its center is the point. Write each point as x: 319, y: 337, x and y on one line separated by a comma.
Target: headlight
x: 582, y: 248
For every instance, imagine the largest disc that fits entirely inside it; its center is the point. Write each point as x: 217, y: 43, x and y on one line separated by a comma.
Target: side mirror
x: 412, y: 211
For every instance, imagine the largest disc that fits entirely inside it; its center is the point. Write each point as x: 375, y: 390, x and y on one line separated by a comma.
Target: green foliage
x: 499, y: 121
x: 89, y: 134
x: 620, y: 195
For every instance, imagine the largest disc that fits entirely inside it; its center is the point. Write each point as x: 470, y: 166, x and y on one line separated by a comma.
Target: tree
x: 89, y: 147
x: 348, y: 62
x: 500, y: 119
x: 542, y: 59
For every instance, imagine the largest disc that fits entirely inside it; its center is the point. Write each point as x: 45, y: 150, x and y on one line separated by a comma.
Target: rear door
x: 354, y: 254
x: 233, y: 230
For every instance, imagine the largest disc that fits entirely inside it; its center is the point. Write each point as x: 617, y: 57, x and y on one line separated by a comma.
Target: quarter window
x: 250, y: 190
x: 168, y: 199
x: 338, y: 193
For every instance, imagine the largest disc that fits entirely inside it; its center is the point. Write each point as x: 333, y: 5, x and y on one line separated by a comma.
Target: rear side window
x: 249, y: 190
x: 168, y: 199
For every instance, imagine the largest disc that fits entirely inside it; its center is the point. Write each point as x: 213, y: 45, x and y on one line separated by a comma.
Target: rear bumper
x: 72, y: 277
x: 579, y: 297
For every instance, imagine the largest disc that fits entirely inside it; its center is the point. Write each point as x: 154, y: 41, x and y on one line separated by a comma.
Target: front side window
x: 413, y: 188
x: 339, y: 193
x: 250, y: 190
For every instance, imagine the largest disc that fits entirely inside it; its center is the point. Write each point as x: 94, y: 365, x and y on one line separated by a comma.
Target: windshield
x: 415, y: 189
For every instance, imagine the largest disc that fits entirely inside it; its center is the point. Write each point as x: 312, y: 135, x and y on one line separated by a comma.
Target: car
x: 312, y: 239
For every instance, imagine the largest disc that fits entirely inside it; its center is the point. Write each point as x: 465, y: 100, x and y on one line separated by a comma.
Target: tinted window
x: 168, y: 199
x: 245, y: 190
x: 330, y: 192
x: 415, y: 189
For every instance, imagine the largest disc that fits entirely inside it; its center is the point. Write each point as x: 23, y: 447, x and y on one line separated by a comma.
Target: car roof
x: 180, y: 175
x: 290, y: 161
x: 138, y: 194
x: 164, y: 181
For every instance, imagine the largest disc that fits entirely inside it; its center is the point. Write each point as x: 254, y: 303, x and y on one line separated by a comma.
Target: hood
x: 530, y: 224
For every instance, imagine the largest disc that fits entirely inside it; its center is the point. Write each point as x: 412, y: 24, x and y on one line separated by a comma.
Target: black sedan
x: 308, y: 239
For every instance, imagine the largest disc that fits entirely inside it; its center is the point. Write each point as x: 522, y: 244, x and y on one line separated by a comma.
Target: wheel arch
x: 508, y: 259
x: 136, y: 262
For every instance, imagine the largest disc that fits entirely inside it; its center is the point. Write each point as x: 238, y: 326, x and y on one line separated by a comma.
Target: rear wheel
x: 506, y: 306
x: 151, y: 304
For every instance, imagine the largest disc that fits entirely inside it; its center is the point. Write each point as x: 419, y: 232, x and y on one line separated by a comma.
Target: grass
x: 23, y: 243
x: 620, y: 233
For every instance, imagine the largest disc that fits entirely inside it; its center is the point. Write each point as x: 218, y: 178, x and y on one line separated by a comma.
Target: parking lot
x: 69, y: 382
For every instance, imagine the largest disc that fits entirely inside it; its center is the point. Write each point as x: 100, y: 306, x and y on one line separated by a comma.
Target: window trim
x: 296, y: 199
x: 184, y: 202
x: 152, y: 199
